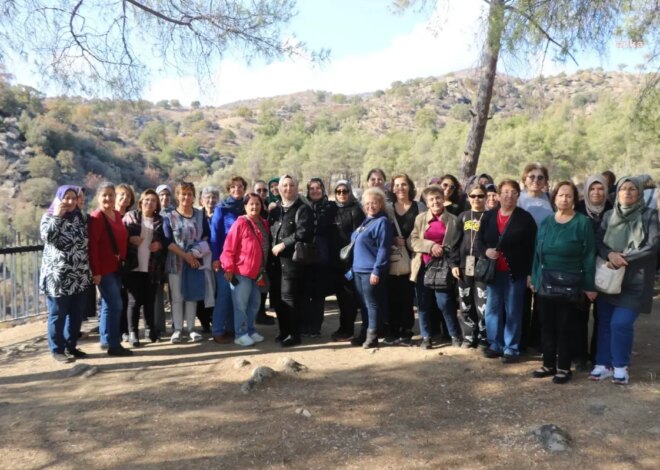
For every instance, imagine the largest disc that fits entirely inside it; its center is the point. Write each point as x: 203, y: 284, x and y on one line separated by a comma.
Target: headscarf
x: 594, y: 211
x: 271, y: 197
x: 163, y: 187
x: 59, y: 194
x: 320, y: 182
x: 351, y: 197
x: 282, y: 201
x: 626, y: 229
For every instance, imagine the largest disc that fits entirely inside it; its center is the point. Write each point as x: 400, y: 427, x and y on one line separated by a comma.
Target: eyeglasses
x: 448, y: 186
x: 536, y: 177
x: 341, y: 191
x: 478, y: 196
x: 261, y: 190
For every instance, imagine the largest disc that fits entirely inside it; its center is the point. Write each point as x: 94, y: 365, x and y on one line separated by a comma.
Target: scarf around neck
x: 626, y: 228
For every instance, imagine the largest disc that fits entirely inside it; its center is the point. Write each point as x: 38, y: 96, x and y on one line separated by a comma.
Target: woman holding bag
x: 628, y: 237
x: 435, y: 235
x: 243, y: 260
x: 400, y: 317
x: 564, y: 266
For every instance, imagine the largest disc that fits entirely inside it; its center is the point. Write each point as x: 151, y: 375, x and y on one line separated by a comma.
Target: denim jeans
x: 223, y: 311
x: 504, y: 313
x: 64, y: 319
x: 372, y: 298
x: 111, y: 306
x: 616, y: 331
x: 246, y: 299
x: 446, y: 304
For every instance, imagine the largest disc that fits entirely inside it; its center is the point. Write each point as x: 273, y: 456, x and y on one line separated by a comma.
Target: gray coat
x: 637, y: 287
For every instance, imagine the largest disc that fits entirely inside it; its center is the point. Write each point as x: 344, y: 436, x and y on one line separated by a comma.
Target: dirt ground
x: 181, y: 407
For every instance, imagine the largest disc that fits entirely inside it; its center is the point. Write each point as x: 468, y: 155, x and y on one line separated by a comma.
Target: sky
x: 371, y: 47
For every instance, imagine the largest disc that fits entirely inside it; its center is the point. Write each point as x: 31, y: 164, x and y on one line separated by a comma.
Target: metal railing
x: 20, y: 297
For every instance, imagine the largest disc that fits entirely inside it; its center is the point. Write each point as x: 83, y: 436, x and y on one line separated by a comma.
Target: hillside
x: 575, y: 124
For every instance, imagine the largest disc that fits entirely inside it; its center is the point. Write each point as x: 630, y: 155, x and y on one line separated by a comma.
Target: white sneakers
x: 195, y: 337
x: 176, y: 337
x: 619, y: 374
x: 244, y: 340
x: 256, y: 337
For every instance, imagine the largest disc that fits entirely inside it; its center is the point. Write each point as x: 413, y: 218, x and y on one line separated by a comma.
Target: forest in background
x: 576, y: 125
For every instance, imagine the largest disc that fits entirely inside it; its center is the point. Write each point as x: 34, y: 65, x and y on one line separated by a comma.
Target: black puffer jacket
x: 324, y: 212
x: 346, y: 220
x: 283, y: 227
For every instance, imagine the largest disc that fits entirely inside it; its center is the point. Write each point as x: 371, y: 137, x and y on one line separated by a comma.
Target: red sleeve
x: 94, y: 239
x: 231, y: 248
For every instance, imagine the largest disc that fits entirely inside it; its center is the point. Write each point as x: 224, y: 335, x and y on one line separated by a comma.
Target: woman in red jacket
x: 243, y: 261
x: 108, y: 240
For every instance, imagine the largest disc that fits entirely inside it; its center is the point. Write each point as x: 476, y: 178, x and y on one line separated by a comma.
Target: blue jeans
x: 64, y: 319
x: 446, y: 304
x: 616, y: 331
x: 223, y: 311
x: 111, y: 306
x: 372, y: 298
x: 246, y: 299
x: 504, y: 313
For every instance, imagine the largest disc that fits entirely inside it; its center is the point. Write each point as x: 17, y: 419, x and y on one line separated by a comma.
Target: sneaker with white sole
x: 244, y: 340
x: 600, y: 373
x: 195, y: 337
x: 620, y: 376
x: 256, y: 337
x: 176, y: 337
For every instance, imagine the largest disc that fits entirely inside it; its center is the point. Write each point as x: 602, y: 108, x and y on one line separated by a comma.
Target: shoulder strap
x: 111, y: 234
x: 506, y: 227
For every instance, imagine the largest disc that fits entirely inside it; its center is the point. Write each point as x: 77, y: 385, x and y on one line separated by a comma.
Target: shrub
x: 39, y: 191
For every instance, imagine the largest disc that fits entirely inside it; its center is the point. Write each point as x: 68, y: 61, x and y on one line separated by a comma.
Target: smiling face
x: 341, y: 194
x: 315, y: 191
x: 288, y: 189
x: 508, y: 197
x: 628, y: 194
x: 149, y: 205
x: 492, y: 199
x: 122, y: 200
x: 274, y: 188
x: 435, y: 201
x: 372, y: 205
x: 70, y: 200
x: 106, y: 199
x: 597, y: 194
x: 185, y: 197
x: 262, y: 190
x: 564, y: 199
x: 165, y: 198
x: 253, y: 207
x: 448, y: 187
x: 535, y: 181
x: 209, y: 201
x: 477, y: 200
x: 376, y: 180
x: 237, y: 190
x: 401, y: 189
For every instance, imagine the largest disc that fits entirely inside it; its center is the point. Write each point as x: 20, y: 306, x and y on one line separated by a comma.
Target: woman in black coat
x: 348, y: 217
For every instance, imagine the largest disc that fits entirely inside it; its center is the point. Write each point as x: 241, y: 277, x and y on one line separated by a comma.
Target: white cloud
x: 434, y: 47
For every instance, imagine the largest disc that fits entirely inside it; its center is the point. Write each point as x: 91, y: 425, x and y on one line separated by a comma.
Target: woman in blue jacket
x: 371, y: 251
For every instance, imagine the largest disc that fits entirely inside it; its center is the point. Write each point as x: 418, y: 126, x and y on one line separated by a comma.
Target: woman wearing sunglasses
x: 452, y: 194
x: 534, y: 199
x: 472, y: 293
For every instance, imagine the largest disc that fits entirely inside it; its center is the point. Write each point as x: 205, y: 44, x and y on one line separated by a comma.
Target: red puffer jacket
x: 242, y: 252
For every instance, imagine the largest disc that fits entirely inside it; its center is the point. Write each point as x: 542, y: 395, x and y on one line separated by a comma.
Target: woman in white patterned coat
x: 65, y: 274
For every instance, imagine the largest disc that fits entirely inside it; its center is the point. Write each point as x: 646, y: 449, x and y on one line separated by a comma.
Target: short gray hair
x: 374, y: 192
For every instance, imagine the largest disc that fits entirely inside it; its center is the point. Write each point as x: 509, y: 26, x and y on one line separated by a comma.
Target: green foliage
x: 40, y: 191
x: 339, y: 98
x: 244, y: 112
x: 154, y: 136
x: 175, y: 103
x: 461, y: 112
x: 43, y: 166
x: 163, y: 104
x: 195, y: 104
x: 425, y: 118
x: 440, y: 89
x: 321, y: 96
x: 26, y: 220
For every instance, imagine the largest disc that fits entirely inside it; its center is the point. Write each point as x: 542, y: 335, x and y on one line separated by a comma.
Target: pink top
x: 435, y: 233
x: 243, y: 250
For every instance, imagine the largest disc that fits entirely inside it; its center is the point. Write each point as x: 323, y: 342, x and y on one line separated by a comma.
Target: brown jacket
x: 420, y: 245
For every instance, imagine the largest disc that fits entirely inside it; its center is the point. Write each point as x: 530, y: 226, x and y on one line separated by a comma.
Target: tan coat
x: 420, y: 245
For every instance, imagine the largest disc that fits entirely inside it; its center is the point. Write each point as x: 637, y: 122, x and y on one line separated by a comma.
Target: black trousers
x: 317, y: 281
x: 472, y: 305
x: 583, y: 348
x: 141, y: 294
x: 123, y: 319
x: 347, y: 302
x: 288, y: 287
x: 531, y: 322
x: 400, y: 318
x: 556, y: 332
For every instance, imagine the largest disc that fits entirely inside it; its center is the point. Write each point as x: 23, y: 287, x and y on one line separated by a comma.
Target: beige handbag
x: 399, y: 259
x: 608, y: 281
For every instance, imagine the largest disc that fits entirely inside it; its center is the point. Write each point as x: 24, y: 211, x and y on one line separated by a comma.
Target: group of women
x: 501, y: 268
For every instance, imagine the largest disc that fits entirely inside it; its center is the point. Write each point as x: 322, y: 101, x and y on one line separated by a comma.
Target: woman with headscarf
x: 290, y: 221
x: 594, y: 205
x: 348, y: 217
x: 65, y: 276
x: 628, y: 237
x: 273, y: 193
x: 224, y: 216
x: 318, y: 278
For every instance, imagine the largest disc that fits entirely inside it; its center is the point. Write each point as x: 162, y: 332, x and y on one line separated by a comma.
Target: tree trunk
x: 486, y: 82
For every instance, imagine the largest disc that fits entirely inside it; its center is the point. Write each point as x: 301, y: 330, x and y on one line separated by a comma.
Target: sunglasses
x: 262, y: 190
x: 448, y: 186
x: 477, y: 196
x: 536, y: 177
x: 341, y: 191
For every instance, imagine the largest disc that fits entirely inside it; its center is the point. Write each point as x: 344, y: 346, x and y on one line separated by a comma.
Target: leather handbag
x: 608, y: 281
x: 399, y: 258
x: 346, y: 253
x: 560, y: 285
x: 438, y: 274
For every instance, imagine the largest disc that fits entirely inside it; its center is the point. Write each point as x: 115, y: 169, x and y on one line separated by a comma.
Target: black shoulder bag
x: 125, y: 265
x: 304, y: 252
x: 346, y: 253
x: 437, y: 275
x: 559, y: 285
x: 484, y: 269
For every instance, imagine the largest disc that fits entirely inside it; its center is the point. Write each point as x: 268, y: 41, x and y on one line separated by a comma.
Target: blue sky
x: 371, y: 47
